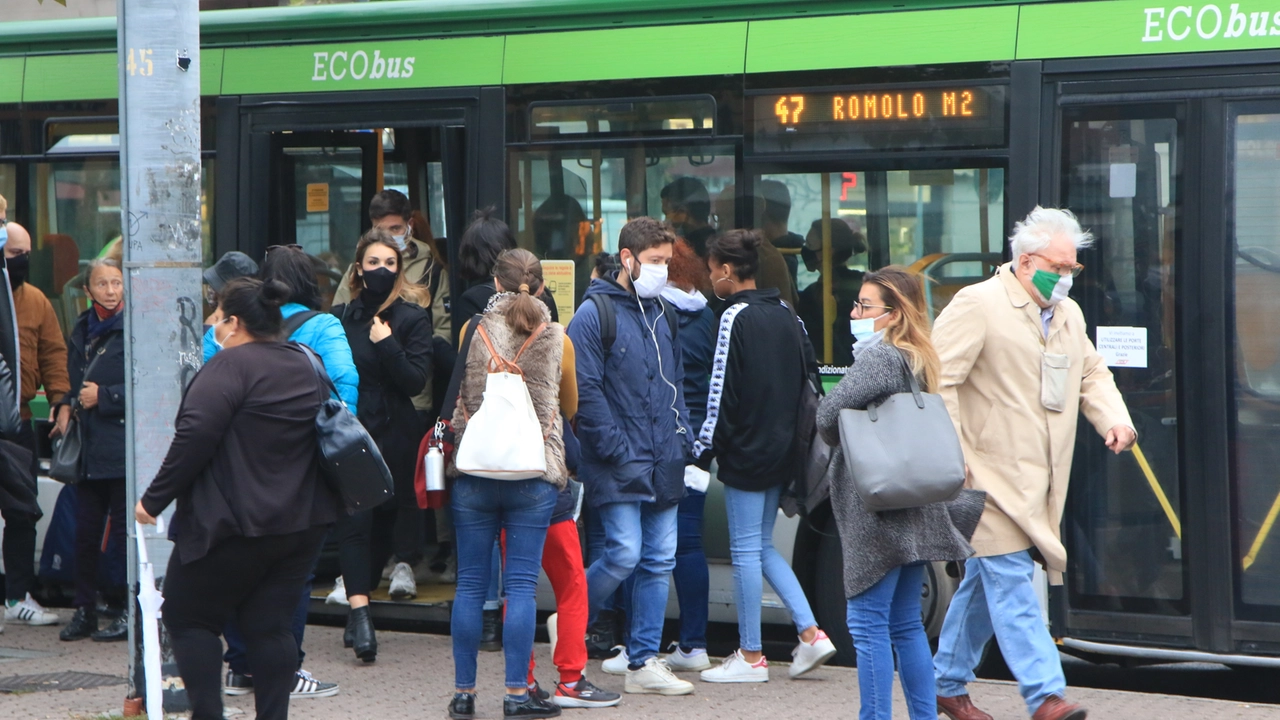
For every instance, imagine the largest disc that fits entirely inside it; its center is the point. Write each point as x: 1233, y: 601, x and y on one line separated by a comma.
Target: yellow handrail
x: 1159, y: 491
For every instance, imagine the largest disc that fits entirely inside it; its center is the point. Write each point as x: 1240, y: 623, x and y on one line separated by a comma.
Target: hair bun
x: 752, y: 240
x: 275, y: 293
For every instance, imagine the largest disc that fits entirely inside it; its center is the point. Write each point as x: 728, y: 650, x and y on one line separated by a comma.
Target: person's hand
x: 141, y: 515
x: 61, y: 417
x: 1120, y: 438
x: 89, y: 396
x: 379, y: 331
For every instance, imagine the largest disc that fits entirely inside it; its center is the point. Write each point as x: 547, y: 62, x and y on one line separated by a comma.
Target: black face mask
x: 18, y: 267
x: 377, y: 286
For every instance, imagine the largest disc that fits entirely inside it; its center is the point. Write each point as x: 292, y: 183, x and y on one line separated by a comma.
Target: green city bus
x: 928, y: 128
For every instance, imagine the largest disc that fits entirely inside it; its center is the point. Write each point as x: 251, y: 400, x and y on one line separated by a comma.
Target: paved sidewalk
x: 413, y: 678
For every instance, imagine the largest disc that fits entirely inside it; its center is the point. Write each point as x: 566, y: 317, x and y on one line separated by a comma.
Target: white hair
x: 1035, y: 232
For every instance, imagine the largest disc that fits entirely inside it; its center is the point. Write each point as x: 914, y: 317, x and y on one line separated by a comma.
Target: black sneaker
x: 531, y: 707
x: 83, y: 624
x: 584, y: 695
x: 117, y: 631
x: 306, y: 686
x: 602, y: 636
x: 238, y: 684
x: 536, y: 690
x: 463, y: 706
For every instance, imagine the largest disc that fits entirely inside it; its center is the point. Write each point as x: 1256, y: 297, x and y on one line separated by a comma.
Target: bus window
x: 1257, y: 364
x: 570, y: 205
x: 943, y: 223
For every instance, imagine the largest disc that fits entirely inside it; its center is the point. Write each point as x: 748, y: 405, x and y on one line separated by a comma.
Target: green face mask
x: 1045, y: 282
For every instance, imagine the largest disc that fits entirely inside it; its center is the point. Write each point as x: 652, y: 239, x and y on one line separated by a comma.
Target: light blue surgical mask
x: 218, y: 343
x: 4, y: 235
x: 863, y: 329
x: 400, y: 240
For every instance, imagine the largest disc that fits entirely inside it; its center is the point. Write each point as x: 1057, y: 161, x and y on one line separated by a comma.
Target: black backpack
x: 295, y: 321
x: 609, y: 321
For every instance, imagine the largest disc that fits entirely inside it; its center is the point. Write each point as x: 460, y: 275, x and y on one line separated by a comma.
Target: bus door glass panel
x: 1123, y: 526
x: 74, y: 213
x: 570, y: 204
x: 943, y: 223
x: 326, y: 181
x: 9, y: 186
x: 411, y: 164
x: 1255, y: 482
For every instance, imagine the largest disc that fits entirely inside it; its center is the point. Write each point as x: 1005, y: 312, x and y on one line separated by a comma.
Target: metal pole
x: 158, y: 45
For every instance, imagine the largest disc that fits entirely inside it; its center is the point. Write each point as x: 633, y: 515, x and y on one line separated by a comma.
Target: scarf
x: 103, y: 321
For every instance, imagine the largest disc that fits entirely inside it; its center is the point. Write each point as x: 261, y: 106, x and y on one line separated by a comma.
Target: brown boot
x: 1057, y: 708
x: 961, y: 707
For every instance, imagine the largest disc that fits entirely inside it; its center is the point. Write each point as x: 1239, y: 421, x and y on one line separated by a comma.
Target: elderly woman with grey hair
x: 885, y: 552
x: 95, y: 364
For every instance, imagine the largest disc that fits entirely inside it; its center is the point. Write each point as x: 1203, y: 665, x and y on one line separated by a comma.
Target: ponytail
x: 520, y: 271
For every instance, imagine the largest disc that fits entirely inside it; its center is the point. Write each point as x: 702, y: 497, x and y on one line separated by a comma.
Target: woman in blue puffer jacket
x: 324, y: 334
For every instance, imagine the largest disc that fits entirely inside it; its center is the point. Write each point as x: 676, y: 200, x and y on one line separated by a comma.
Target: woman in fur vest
x: 517, y: 328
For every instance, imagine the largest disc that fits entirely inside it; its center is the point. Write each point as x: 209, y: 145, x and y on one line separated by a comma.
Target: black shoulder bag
x: 350, y: 461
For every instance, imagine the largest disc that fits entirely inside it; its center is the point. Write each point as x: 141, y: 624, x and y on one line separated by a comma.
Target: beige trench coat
x: 993, y: 350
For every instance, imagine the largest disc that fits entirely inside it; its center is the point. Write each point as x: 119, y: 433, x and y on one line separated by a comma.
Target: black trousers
x: 95, y: 500
x: 20, y: 531
x: 256, y: 581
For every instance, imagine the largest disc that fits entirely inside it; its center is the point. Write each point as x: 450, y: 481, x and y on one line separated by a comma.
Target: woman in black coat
x: 391, y: 345
x: 95, y: 364
x: 252, y: 510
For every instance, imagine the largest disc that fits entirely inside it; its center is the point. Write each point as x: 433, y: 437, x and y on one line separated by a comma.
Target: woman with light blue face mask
x: 884, y: 552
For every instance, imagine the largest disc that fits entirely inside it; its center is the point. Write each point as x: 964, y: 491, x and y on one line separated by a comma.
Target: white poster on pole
x: 1123, y: 346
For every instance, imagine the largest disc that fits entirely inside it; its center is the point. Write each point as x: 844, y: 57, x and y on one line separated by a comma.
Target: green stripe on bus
x: 211, y: 71
x: 11, y: 79
x: 923, y: 37
x: 50, y: 78
x: 651, y: 52
x: 1145, y: 27
x: 371, y: 65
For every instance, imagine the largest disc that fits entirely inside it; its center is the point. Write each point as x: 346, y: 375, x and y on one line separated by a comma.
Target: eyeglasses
x: 861, y: 307
x: 1073, y: 269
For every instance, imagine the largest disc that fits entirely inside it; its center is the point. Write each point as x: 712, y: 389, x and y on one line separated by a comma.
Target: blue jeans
x: 884, y: 619
x: 639, y: 538
x: 693, y: 586
x: 481, y: 509
x: 751, y: 518
x: 493, y: 596
x: 997, y: 597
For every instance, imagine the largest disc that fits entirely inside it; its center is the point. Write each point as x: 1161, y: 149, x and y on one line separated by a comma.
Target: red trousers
x: 562, y: 561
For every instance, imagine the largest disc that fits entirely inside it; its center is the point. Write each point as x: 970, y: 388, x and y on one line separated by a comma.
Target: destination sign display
x: 882, y: 118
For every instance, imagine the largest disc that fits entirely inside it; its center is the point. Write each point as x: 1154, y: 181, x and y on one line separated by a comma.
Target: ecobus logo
x: 338, y: 65
x: 1208, y: 22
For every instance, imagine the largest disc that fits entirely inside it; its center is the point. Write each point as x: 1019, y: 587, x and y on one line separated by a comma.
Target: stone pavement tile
x: 413, y: 679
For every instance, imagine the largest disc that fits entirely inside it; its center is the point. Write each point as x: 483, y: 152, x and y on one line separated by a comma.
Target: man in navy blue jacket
x: 635, y: 437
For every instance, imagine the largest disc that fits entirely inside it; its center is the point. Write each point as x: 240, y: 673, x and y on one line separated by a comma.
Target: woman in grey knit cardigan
x: 885, y: 552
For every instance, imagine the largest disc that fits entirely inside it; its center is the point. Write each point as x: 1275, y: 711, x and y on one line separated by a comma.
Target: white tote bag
x: 503, y: 439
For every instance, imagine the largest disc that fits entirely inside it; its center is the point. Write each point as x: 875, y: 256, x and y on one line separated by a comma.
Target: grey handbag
x: 903, y: 453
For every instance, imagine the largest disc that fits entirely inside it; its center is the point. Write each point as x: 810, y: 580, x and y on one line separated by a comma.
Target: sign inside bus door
x: 1123, y: 346
x: 359, y: 65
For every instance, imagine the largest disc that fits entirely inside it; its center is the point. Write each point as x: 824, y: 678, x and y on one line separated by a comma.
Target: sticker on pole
x: 1123, y: 346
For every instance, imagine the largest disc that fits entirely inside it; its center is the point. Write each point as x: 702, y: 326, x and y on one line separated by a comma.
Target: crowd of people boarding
x: 687, y: 359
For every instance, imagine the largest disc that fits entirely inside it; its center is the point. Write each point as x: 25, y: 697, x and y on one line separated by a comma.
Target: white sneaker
x: 736, y: 669
x: 389, y: 568
x: 657, y: 679
x: 337, y: 596
x: 810, y: 656
x: 403, y: 586
x: 693, y: 662
x: 553, y: 630
x: 617, y: 665
x: 309, y: 687
x: 29, y: 612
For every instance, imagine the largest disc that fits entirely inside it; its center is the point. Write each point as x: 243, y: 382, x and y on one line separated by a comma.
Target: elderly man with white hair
x: 1018, y: 368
